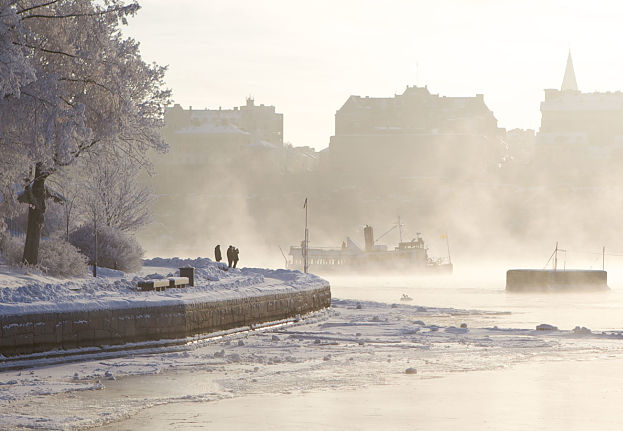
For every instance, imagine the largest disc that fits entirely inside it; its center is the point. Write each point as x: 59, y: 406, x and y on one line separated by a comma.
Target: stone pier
x: 40, y: 332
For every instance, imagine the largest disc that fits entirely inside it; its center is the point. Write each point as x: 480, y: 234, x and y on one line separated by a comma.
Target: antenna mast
x: 305, y: 252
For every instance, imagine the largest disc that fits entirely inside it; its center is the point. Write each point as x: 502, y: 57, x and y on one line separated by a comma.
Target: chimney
x: 368, y: 235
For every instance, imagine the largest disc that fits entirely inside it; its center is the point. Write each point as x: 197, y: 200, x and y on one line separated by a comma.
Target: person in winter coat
x: 235, y: 254
x: 230, y: 255
x: 217, y: 253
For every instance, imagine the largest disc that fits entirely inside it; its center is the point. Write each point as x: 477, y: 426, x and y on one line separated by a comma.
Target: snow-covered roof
x: 212, y: 129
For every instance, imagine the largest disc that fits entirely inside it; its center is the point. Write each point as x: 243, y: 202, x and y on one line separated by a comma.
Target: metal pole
x: 305, y: 262
x: 603, y: 258
x: 95, y: 237
x: 306, y: 250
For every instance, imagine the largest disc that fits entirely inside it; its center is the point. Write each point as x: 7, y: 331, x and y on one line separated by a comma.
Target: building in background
x: 415, y: 134
x: 580, y: 132
x: 261, y: 124
x: 222, y: 165
x: 250, y: 134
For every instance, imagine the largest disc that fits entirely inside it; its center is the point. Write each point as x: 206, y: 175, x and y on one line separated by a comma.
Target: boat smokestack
x: 368, y: 235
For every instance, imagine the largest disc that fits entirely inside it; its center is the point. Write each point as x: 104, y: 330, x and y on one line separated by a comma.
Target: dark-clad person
x: 230, y: 255
x: 236, y: 251
x: 217, y: 253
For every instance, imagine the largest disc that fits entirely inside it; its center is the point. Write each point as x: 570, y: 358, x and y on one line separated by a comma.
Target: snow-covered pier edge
x: 112, y: 311
x: 40, y: 332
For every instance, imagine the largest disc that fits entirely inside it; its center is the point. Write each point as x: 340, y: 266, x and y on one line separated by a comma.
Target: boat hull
x: 372, y: 269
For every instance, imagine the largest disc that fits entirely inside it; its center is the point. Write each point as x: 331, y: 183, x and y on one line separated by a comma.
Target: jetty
x: 555, y: 279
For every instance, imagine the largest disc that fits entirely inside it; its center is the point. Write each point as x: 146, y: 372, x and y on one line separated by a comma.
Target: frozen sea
x: 345, y: 369
x: 485, y: 290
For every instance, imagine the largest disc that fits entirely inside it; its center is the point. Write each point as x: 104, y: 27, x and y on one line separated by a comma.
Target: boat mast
x: 400, y: 228
x: 556, y: 257
x: 306, y: 245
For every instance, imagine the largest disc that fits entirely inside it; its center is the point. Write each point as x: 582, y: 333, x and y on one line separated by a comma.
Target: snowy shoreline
x: 28, y: 294
x: 353, y: 344
x: 109, y: 310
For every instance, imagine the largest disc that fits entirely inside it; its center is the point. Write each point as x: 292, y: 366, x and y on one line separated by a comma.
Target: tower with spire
x: 568, y: 82
x: 577, y: 128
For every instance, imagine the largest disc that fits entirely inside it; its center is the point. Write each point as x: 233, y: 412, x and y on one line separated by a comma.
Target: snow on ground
x: 351, y: 345
x: 33, y: 292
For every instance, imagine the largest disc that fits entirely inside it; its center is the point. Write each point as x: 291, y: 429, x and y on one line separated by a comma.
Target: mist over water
x: 489, y: 198
x: 539, y: 379
x: 439, y: 163
x: 492, y: 130
x: 484, y: 289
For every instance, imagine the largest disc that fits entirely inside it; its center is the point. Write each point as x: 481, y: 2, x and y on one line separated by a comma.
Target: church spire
x: 569, y: 82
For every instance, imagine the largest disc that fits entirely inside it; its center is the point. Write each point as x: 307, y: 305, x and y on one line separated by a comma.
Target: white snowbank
x: 34, y: 293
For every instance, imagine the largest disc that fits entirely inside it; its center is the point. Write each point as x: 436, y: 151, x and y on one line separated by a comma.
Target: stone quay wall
x: 548, y: 280
x: 40, y: 332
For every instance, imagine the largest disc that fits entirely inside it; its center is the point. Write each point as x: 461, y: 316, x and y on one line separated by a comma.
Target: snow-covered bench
x: 163, y: 283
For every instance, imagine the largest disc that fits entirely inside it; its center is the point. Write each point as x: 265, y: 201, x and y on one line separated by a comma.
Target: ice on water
x: 355, y: 343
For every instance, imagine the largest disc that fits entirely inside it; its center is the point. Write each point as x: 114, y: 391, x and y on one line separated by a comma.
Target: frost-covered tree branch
x: 113, y: 194
x: 37, y: 6
x: 113, y: 9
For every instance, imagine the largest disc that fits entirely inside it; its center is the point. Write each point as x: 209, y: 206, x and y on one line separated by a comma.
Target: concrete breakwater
x: 551, y: 280
x: 40, y: 332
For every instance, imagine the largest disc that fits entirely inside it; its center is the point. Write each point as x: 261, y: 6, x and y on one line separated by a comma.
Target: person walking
x: 230, y: 255
x: 217, y: 253
x: 235, y: 254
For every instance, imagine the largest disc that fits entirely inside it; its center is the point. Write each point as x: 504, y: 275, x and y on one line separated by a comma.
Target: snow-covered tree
x: 112, y: 189
x: 15, y: 69
x: 113, y: 248
x: 11, y: 175
x: 73, y: 84
x: 69, y: 185
x: 92, y: 210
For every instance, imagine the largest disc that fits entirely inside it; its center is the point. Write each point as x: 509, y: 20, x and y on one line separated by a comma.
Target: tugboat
x: 408, y: 257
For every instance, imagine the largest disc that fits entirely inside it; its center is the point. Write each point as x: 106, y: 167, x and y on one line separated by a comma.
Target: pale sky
x: 306, y: 58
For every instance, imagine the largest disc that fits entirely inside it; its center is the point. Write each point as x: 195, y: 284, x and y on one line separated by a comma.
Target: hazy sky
x: 306, y: 58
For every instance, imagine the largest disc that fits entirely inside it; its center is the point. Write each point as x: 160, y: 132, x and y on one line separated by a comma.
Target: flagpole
x: 305, y: 263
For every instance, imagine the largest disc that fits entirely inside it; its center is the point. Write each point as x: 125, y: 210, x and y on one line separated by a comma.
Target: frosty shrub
x: 11, y: 249
x: 115, y: 249
x: 58, y: 257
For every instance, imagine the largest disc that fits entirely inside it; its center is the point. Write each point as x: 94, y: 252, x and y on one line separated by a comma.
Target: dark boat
x: 408, y: 257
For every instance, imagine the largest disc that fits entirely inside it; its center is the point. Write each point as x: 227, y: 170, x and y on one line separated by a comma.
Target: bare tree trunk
x: 67, y: 215
x: 36, y: 217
